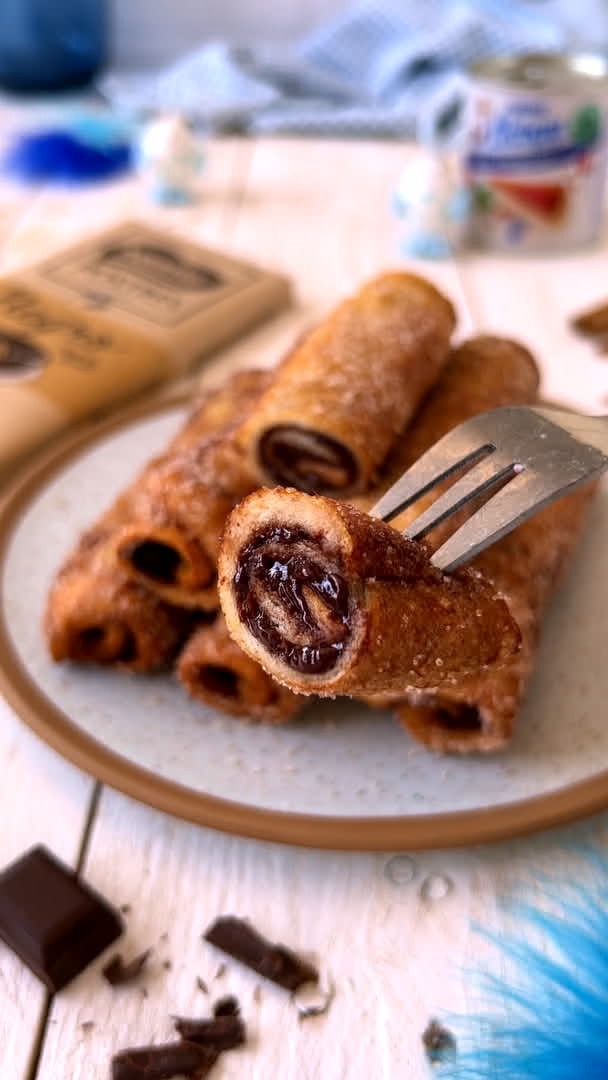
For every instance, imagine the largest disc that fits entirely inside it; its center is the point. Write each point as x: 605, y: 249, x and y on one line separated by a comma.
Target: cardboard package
x: 109, y: 317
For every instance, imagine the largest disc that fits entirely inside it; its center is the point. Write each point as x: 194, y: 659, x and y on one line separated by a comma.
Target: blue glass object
x: 50, y: 44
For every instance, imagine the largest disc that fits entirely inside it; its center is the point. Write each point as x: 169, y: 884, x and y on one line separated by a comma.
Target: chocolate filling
x: 280, y: 577
x: 457, y: 718
x: 307, y: 460
x: 105, y: 644
x: 218, y: 680
x: 155, y: 560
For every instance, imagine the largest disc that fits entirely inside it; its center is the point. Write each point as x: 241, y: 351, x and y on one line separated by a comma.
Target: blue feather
x: 86, y: 149
x: 549, y: 1019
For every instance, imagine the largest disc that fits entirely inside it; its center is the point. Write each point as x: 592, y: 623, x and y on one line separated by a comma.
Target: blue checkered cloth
x: 380, y: 67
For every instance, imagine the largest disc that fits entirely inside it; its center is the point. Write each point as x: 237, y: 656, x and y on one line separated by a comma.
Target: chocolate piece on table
x: 282, y: 966
x: 224, y: 1032
x: 51, y: 919
x: 163, y: 1062
x: 117, y: 973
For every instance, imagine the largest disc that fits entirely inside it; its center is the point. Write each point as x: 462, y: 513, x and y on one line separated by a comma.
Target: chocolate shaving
x: 126, y: 909
x: 167, y: 965
x: 438, y: 1042
x: 220, y: 971
x: 87, y: 1025
x: 164, y: 1062
x: 274, y: 962
x: 117, y: 973
x: 220, y: 1033
x: 227, y: 1006
x: 201, y: 985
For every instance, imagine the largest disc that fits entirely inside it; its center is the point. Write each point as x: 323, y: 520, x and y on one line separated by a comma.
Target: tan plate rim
x: 415, y: 832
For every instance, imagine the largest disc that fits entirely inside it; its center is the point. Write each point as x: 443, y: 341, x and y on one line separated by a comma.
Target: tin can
x: 535, y: 150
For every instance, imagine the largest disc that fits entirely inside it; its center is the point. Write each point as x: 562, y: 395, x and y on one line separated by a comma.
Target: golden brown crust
x: 365, y: 597
x: 482, y: 373
x: 180, y: 501
x: 214, y: 670
x: 479, y: 712
x: 99, y: 612
x: 344, y: 392
x: 95, y: 614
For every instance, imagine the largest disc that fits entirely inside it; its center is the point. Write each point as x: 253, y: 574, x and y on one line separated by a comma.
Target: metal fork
x: 522, y: 458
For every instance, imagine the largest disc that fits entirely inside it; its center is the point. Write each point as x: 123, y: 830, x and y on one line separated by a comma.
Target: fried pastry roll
x: 97, y: 609
x: 345, y: 391
x: 478, y: 712
x: 215, y: 670
x: 96, y: 614
x: 331, y: 601
x: 482, y: 373
x: 180, y: 502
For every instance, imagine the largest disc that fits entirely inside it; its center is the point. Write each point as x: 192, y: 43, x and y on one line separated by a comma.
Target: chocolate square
x: 51, y: 919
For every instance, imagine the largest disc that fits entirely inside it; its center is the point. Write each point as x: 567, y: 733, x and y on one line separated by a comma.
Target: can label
x: 535, y: 164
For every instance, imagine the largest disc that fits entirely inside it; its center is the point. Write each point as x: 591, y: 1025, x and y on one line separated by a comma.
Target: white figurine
x: 433, y: 206
x: 170, y: 160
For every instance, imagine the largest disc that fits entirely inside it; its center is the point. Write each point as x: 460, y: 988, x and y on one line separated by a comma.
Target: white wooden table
x: 320, y: 212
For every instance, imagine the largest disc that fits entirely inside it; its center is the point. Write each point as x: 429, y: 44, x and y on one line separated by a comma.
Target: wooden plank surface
x: 43, y: 799
x: 393, y: 931
x: 534, y: 300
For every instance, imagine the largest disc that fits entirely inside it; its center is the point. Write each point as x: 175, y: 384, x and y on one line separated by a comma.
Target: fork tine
x: 484, y: 474
x: 522, y: 497
x: 437, y: 464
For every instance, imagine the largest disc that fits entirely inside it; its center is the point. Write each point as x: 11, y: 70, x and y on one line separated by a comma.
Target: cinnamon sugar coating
x: 213, y: 669
x: 397, y: 620
x: 346, y: 390
x: 95, y: 614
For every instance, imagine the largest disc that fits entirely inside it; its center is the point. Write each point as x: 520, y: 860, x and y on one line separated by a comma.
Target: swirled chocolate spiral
x: 345, y: 391
x: 331, y: 601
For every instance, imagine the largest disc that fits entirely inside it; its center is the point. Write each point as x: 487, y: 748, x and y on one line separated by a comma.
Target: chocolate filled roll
x: 181, y: 500
x: 98, y: 610
x: 482, y: 373
x: 478, y: 712
x: 331, y: 601
x: 340, y: 398
x: 215, y: 670
x: 96, y: 614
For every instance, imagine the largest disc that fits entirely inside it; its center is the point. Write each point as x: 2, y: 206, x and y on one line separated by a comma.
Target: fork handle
x: 592, y: 430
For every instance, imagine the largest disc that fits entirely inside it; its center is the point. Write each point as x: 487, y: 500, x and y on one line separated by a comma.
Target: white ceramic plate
x: 340, y: 775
